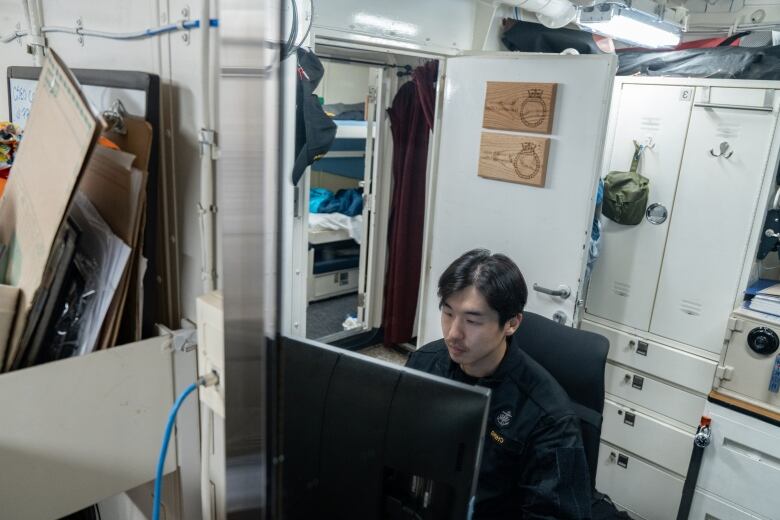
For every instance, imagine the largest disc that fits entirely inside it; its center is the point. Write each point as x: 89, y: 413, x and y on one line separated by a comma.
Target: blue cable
x: 164, y: 449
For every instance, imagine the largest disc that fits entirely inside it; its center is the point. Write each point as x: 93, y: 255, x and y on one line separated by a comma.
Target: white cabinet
x: 83, y: 428
x: 662, y: 293
x: 623, y: 283
x: 741, y: 467
x: 707, y: 164
x: 716, y: 202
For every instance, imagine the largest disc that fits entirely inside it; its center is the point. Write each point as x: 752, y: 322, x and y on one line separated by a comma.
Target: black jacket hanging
x: 314, y: 130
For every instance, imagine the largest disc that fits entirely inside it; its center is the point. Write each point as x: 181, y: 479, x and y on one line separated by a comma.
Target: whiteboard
x: 21, y: 93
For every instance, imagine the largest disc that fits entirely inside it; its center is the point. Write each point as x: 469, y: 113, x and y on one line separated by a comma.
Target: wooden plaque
x: 522, y: 107
x: 514, y: 158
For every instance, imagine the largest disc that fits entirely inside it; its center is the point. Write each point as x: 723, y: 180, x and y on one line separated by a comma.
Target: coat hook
x: 646, y: 143
x: 724, y: 147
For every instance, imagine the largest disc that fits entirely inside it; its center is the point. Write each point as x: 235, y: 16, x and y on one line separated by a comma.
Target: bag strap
x: 637, y: 155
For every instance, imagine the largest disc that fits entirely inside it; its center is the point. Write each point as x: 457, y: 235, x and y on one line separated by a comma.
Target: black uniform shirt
x: 533, y: 463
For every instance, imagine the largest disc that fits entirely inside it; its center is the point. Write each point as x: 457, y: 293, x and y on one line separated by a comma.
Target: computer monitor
x: 365, y: 439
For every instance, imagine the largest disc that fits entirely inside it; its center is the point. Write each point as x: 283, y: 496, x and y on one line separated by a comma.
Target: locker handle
x: 735, y: 107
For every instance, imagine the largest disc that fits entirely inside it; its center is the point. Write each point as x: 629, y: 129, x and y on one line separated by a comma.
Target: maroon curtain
x: 411, y: 120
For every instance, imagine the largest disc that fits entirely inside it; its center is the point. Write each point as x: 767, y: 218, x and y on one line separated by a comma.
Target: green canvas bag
x: 626, y: 193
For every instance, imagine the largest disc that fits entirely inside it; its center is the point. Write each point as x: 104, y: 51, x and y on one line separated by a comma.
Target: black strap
x: 731, y: 39
x: 690, y: 482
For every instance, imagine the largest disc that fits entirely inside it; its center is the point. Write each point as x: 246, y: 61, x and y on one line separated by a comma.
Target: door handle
x: 563, y: 291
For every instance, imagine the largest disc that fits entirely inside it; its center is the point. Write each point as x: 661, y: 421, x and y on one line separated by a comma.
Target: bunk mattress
x: 333, y: 227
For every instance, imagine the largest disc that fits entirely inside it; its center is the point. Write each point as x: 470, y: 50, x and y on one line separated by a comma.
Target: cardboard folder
x: 115, y: 183
x: 60, y: 134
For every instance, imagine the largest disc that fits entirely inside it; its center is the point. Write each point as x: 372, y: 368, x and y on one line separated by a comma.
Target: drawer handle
x: 629, y: 419
x: 641, y: 348
x: 622, y: 461
x: 638, y: 382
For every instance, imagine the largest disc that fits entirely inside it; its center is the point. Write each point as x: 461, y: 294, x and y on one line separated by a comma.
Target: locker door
x: 716, y: 201
x: 624, y: 278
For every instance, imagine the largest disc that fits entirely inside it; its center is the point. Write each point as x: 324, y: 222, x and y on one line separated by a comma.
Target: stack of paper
x: 764, y: 297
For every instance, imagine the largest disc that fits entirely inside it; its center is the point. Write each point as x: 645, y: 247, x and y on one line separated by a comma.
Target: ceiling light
x: 384, y: 25
x: 629, y: 25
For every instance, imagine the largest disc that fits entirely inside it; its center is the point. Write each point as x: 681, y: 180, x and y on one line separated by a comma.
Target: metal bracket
x: 724, y: 372
x: 208, y: 143
x: 181, y: 340
x: 79, y: 28
x: 35, y: 41
x: 733, y: 325
x: 185, y: 14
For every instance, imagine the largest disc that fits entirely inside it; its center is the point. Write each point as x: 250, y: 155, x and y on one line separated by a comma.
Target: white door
x: 707, y: 236
x: 545, y: 230
x: 375, y: 122
x: 622, y: 286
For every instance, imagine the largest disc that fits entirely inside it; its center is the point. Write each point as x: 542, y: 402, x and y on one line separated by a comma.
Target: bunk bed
x: 334, y: 238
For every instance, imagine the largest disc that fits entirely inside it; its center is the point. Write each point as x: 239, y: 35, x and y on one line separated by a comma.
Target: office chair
x: 576, y: 359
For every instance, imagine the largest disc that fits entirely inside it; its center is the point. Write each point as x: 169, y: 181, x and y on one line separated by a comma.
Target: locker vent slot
x: 651, y: 124
x: 690, y: 308
x: 622, y: 289
x: 728, y: 131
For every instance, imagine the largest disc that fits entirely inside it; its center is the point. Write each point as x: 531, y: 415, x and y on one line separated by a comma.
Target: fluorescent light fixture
x: 631, y: 26
x: 385, y: 25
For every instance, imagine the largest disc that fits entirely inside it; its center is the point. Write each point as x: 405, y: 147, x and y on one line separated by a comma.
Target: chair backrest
x: 576, y: 359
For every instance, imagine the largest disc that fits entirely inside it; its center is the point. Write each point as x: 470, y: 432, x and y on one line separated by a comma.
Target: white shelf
x: 83, y: 429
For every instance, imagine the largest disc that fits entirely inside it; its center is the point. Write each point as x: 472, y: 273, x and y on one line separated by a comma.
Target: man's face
x: 471, y: 330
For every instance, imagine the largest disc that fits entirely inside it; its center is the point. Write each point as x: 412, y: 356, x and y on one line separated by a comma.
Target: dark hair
x: 496, y: 277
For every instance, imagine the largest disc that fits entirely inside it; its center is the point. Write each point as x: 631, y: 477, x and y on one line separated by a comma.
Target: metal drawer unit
x: 651, y: 357
x: 650, y: 492
x: 742, y: 463
x: 647, y: 437
x: 709, y: 507
x: 651, y: 393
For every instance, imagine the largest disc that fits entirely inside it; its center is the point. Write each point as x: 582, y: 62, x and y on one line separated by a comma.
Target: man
x: 533, y: 463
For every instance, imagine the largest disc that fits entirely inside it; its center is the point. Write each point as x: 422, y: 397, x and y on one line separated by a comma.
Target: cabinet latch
x: 724, y: 372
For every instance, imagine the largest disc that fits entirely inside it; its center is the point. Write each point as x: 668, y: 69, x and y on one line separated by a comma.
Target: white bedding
x: 335, y: 222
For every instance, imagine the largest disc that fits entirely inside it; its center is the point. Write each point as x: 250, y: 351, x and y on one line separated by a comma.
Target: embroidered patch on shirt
x: 504, y: 418
x: 496, y: 437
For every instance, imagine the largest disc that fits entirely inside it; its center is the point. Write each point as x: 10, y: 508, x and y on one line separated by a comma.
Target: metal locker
x: 623, y: 284
x: 725, y: 159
